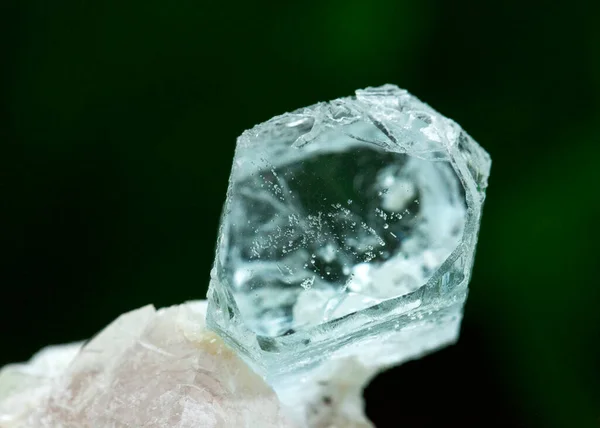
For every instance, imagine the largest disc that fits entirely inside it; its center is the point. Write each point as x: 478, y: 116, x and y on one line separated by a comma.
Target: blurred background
x: 118, y: 125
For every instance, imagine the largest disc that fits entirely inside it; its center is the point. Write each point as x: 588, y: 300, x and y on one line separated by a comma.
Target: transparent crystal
x: 347, y: 223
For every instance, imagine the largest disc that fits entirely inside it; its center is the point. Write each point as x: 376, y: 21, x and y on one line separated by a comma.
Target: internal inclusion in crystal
x: 315, y: 233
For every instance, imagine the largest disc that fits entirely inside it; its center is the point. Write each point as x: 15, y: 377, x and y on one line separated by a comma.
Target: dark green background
x: 118, y: 124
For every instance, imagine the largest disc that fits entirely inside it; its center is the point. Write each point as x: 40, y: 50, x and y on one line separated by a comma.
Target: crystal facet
x: 347, y: 223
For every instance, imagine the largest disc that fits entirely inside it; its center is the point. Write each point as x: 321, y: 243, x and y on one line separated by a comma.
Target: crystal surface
x: 347, y: 221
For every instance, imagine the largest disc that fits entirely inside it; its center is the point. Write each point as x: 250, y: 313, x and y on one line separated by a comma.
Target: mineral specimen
x: 153, y: 369
x: 349, y: 231
x: 346, y: 246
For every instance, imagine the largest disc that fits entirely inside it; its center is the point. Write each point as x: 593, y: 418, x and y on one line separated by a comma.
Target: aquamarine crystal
x: 349, y: 229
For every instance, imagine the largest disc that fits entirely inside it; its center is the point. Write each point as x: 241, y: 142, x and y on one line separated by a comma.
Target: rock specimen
x: 346, y: 246
x: 155, y: 369
x: 349, y: 231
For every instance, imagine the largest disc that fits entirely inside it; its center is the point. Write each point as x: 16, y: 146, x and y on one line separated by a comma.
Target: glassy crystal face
x: 339, y: 208
x: 340, y: 231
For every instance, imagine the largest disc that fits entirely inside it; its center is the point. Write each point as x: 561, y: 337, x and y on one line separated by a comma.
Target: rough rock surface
x: 147, y: 369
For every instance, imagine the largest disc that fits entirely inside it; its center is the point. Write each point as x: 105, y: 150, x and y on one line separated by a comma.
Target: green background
x: 118, y: 124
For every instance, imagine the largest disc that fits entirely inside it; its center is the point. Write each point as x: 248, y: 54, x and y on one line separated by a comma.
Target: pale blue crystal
x: 349, y: 228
